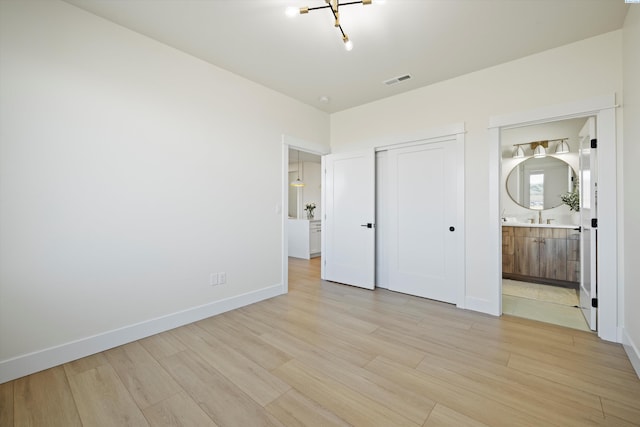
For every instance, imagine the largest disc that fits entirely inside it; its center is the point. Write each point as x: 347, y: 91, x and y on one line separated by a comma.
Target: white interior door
x: 423, y: 214
x: 349, y: 224
x: 588, y: 210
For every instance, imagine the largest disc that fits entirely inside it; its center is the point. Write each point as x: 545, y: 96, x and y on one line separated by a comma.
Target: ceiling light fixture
x: 334, y: 5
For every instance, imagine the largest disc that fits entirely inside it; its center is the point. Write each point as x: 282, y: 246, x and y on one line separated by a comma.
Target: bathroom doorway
x: 541, y: 225
x: 607, y: 284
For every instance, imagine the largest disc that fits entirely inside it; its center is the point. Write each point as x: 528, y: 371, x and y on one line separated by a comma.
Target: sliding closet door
x: 424, y: 245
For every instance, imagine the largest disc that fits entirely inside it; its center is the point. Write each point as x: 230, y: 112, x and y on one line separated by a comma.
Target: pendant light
x: 298, y: 182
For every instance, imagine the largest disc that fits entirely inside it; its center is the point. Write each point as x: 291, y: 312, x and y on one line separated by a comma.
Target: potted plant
x: 572, y: 199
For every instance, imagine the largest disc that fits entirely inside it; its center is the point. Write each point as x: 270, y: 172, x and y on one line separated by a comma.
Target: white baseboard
x: 633, y: 351
x: 481, y: 305
x: 44, y: 359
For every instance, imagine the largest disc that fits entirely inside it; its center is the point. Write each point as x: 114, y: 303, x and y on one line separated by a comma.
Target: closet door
x: 424, y: 252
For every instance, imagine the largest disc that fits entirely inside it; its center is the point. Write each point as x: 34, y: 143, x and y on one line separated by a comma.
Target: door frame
x: 609, y: 289
x: 292, y: 142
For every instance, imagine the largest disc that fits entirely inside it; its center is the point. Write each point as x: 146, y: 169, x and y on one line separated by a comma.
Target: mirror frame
x: 509, y: 184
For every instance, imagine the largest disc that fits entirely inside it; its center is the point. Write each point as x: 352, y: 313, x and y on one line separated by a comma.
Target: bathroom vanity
x: 541, y: 253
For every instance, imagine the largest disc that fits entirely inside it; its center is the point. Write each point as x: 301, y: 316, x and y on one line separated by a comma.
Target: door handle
x: 368, y: 225
x: 452, y: 228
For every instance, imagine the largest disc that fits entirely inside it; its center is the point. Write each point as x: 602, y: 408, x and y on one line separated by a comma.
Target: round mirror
x: 539, y: 183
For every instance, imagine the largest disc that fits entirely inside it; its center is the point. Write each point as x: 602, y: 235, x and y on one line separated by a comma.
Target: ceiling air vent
x: 397, y: 80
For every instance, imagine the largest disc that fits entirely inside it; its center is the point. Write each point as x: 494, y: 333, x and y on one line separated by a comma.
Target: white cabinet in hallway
x: 304, y: 238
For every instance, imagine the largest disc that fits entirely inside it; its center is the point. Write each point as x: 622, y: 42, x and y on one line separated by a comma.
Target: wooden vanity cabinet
x: 553, y: 253
x: 573, y: 255
x: 508, y: 250
x: 541, y: 254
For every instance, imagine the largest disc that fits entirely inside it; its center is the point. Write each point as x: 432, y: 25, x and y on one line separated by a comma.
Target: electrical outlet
x: 213, y: 279
x: 222, y: 278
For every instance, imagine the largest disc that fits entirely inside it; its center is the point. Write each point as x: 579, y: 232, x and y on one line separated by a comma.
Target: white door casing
x: 588, y: 210
x: 349, y: 219
x: 423, y: 220
x: 610, y: 290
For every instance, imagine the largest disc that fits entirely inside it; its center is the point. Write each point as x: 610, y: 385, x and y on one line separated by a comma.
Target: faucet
x: 540, y: 217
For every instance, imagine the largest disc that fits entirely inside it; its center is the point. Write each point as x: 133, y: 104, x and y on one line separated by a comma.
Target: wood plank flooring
x: 333, y: 355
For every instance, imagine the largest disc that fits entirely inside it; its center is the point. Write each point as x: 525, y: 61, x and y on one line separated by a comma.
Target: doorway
x: 301, y: 234
x: 608, y: 287
x: 541, y: 262
x: 304, y: 225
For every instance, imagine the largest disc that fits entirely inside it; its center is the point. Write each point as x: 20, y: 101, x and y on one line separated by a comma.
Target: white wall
x: 631, y: 71
x: 582, y: 70
x: 129, y: 173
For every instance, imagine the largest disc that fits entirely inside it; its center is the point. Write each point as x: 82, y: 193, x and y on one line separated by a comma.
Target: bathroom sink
x: 527, y: 224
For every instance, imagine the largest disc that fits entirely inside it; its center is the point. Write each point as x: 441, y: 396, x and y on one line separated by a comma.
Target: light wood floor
x: 329, y: 354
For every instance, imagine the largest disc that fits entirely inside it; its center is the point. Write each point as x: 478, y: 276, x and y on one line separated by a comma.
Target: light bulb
x: 348, y: 44
x: 292, y: 11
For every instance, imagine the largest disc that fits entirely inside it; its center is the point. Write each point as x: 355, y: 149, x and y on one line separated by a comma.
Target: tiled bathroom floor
x: 550, y: 304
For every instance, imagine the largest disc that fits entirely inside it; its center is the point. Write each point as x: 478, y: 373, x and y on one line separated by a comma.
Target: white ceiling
x: 303, y: 57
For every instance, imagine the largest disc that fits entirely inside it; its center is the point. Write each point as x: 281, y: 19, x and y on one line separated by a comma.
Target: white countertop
x: 526, y: 224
